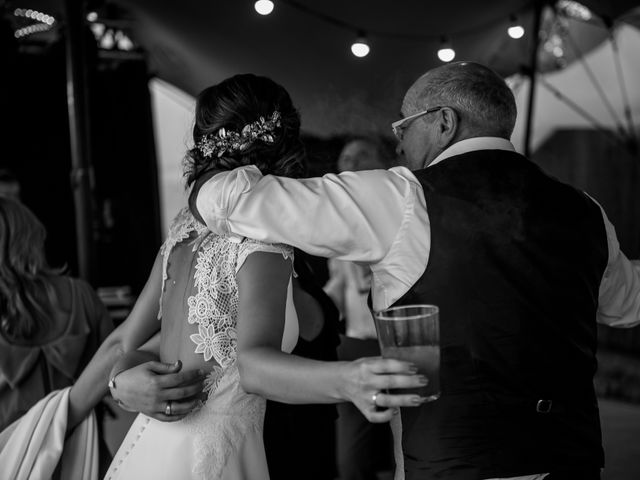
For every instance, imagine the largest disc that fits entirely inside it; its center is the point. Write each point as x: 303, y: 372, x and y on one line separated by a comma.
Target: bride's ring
x: 374, y: 399
x: 167, y: 409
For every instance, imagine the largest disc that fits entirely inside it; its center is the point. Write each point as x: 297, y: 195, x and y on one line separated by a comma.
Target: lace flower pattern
x: 214, y: 308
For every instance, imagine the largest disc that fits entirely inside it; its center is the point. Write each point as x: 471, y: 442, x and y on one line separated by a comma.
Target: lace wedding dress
x: 222, y: 439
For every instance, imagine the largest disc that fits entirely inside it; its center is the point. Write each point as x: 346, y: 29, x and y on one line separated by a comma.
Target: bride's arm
x: 265, y: 370
x: 139, y: 326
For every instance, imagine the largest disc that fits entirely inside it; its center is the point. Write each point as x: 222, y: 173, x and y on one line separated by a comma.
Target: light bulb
x: 360, y: 48
x: 446, y: 54
x: 263, y: 7
x: 124, y: 43
x: 92, y: 16
x: 515, y: 30
x: 107, y: 41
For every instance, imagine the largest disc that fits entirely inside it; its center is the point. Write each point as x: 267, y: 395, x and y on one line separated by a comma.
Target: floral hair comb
x: 228, y: 141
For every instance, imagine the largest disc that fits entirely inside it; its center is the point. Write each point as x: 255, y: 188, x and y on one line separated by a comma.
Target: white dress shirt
x: 377, y: 217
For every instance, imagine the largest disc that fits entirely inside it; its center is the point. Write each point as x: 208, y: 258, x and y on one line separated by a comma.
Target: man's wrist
x: 113, y: 389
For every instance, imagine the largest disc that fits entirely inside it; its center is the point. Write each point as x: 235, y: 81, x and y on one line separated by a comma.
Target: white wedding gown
x: 223, y: 439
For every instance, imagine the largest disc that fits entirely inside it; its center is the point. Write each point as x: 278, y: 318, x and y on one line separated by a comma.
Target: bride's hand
x: 367, y: 381
x: 149, y: 387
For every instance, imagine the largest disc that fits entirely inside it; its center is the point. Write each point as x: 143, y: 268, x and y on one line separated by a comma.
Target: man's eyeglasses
x: 399, y: 125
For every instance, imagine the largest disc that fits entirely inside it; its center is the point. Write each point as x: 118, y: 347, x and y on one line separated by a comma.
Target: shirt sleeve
x: 352, y: 216
x: 619, y: 296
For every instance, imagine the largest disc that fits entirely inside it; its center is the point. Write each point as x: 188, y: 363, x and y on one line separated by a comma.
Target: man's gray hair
x: 481, y: 98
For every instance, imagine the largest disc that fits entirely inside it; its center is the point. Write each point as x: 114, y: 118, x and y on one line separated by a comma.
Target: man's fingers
x: 166, y: 418
x: 164, y: 368
x: 178, y: 379
x: 179, y: 408
x: 182, y: 392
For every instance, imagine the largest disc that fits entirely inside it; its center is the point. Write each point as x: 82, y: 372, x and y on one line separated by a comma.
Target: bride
x: 226, y: 310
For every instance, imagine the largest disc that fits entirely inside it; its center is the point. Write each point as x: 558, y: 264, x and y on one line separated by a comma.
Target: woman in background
x: 50, y: 324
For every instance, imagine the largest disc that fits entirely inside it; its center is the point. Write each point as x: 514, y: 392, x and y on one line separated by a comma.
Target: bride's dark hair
x: 239, y: 101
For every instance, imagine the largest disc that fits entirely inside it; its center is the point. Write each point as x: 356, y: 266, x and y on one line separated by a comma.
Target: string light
x: 107, y: 41
x: 574, y: 10
x: 515, y: 30
x: 123, y: 42
x: 446, y: 53
x: 92, y: 16
x: 263, y: 7
x: 43, y: 22
x: 360, y: 48
x: 31, y: 29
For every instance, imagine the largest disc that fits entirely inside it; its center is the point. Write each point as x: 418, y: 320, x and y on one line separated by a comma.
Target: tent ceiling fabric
x: 195, y: 43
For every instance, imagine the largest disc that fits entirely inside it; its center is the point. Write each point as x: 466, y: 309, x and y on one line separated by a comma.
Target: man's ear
x: 448, y: 126
x: 195, y: 189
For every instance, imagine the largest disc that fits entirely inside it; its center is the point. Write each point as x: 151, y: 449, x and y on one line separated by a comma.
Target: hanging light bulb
x: 515, y: 30
x: 263, y: 7
x: 360, y: 48
x: 446, y: 53
x: 107, y: 41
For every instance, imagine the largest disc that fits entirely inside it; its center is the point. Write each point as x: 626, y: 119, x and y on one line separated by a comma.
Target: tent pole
x: 76, y: 68
x: 533, y: 67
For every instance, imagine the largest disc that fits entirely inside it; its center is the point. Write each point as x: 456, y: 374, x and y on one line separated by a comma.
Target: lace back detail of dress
x: 229, y: 414
x: 181, y: 228
x: 214, y: 307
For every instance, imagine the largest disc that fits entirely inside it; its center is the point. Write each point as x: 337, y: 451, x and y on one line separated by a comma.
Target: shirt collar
x: 472, y: 144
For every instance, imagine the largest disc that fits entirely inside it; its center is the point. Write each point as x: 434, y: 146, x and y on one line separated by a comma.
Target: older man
x: 521, y: 265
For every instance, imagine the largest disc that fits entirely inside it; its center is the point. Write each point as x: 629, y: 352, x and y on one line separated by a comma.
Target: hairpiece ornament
x: 227, y: 141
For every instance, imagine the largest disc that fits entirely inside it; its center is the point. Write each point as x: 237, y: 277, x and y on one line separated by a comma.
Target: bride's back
x: 199, y: 303
x: 199, y: 297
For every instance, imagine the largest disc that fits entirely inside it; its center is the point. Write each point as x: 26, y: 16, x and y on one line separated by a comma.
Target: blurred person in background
x: 50, y: 323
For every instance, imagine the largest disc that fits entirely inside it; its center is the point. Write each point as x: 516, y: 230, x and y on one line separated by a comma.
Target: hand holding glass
x: 412, y: 333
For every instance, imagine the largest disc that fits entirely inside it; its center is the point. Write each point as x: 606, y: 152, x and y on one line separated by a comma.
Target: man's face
x: 417, y: 137
x: 416, y: 148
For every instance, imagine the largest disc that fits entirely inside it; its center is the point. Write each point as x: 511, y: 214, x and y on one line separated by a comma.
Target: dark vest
x: 515, y: 266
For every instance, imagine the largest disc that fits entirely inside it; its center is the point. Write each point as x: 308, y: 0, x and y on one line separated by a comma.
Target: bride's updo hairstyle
x: 236, y: 124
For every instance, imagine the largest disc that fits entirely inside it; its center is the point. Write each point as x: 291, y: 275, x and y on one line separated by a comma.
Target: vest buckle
x: 544, y: 406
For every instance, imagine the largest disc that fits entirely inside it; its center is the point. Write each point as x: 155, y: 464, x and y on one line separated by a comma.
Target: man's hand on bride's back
x: 150, y: 387
x: 367, y: 381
